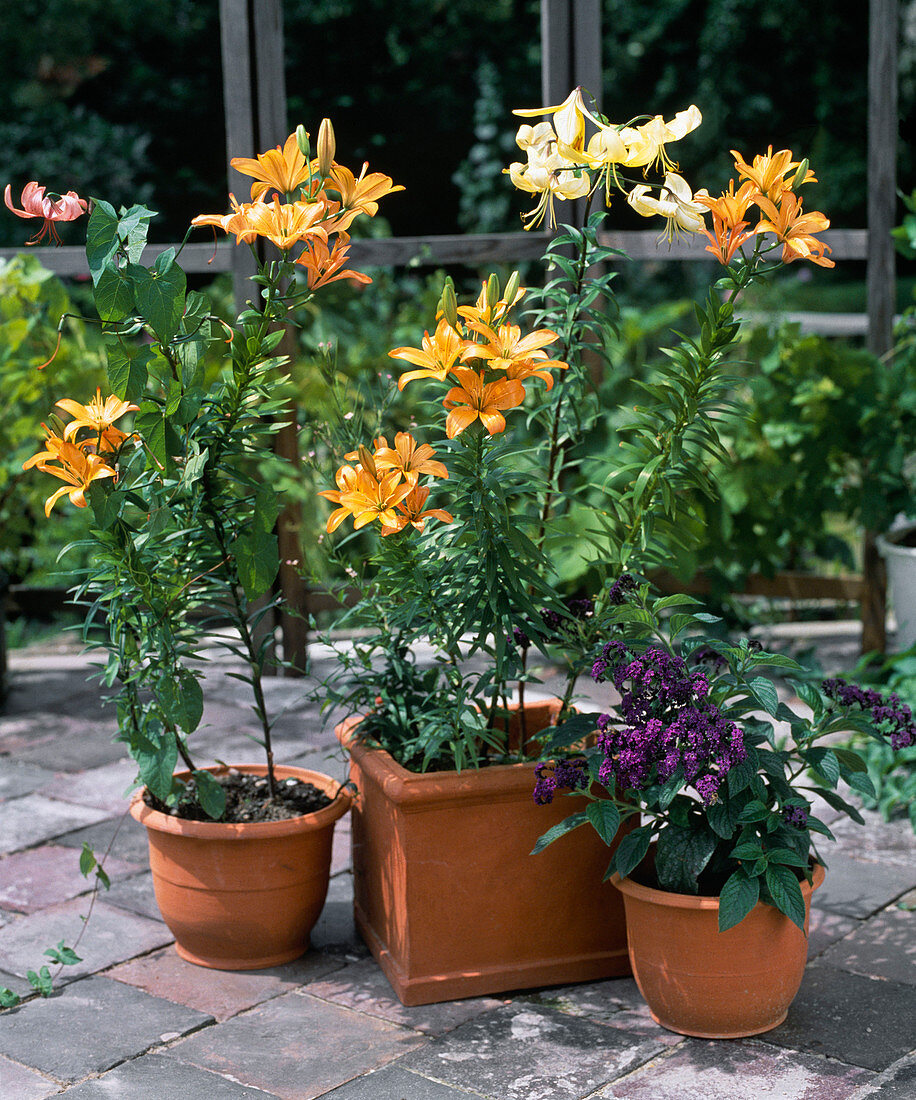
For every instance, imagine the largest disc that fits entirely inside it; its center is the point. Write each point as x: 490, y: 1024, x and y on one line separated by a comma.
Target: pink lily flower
x: 36, y: 204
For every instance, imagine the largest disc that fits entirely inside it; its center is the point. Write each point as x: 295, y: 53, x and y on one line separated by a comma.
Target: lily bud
x: 327, y: 147
x: 493, y: 290
x: 448, y: 303
x: 800, y: 174
x: 302, y: 140
x: 512, y: 287
x: 367, y: 460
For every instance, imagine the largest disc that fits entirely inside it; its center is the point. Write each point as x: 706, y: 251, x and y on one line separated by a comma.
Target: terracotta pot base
x: 243, y: 896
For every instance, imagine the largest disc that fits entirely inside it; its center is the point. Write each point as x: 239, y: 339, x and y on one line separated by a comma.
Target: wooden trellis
x: 255, y: 114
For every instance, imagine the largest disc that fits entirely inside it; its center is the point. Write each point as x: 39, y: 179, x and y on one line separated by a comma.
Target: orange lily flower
x: 76, y: 467
x: 369, y: 498
x: 411, y: 511
x: 283, y: 169
x: 794, y: 229
x: 98, y: 415
x: 408, y: 458
x: 285, y: 224
x: 358, y: 196
x: 475, y: 399
x: 489, y: 313
x: 437, y: 356
x: 728, y: 218
x: 323, y: 265
x: 768, y: 172
x: 506, y: 349
x: 37, y: 204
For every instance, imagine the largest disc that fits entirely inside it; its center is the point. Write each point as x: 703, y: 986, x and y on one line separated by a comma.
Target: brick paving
x: 133, y: 1020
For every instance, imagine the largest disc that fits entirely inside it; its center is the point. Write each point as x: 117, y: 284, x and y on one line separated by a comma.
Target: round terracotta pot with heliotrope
x: 714, y: 985
x: 243, y: 896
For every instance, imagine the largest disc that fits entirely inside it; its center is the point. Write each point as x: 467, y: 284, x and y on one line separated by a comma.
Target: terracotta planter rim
x: 692, y: 901
x: 248, y: 830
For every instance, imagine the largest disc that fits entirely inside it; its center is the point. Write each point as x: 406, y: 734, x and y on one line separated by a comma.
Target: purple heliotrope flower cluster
x: 580, y: 608
x: 666, y: 722
x: 891, y: 716
x: 561, y: 775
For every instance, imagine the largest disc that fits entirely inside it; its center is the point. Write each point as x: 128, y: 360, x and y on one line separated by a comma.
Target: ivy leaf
x: 181, y: 699
x: 101, y: 237
x: 41, y: 981
x: 87, y: 860
x: 786, y: 893
x: 257, y: 559
x: 114, y: 298
x: 739, y: 896
x: 8, y: 999
x: 560, y: 829
x: 159, y: 293
x: 62, y: 954
x: 605, y: 817
x: 156, y: 761
x: 210, y: 793
x: 128, y: 370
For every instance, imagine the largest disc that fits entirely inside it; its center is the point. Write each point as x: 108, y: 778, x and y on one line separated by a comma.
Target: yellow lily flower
x: 675, y: 203
x: 646, y: 143
x: 98, y: 415
x: 370, y: 498
x: 568, y: 118
x: 520, y: 357
x: 489, y: 313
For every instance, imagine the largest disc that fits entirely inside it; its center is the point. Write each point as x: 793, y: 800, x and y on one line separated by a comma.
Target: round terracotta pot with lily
x: 243, y: 896
x: 702, y: 982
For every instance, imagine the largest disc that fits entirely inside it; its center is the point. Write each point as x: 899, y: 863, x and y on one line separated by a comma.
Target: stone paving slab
x: 34, y: 819
x: 296, y: 1047
x: 525, y: 1052
x: 39, y: 877
x: 62, y: 1037
x: 744, y: 1070
x: 111, y: 936
x: 896, y: 1083
x: 220, y: 993
x: 336, y: 930
x: 19, y: 1083
x: 105, y: 788
x: 616, y: 1002
x: 136, y: 894
x: 862, y: 1021
x: 129, y: 841
x: 395, y: 1082
x: 76, y: 746
x: 363, y: 987
x: 885, y: 842
x: 18, y: 779
x: 154, y: 1077
x: 858, y: 888
x: 17, y: 983
x: 825, y: 928
x: 882, y: 947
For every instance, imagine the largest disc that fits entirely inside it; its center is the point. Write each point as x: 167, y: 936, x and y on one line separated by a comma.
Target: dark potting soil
x: 248, y: 799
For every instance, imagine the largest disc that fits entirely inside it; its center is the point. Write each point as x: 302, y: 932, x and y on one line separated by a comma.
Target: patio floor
x: 133, y: 1020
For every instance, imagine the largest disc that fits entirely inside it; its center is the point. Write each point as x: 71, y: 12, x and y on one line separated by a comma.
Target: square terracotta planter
x: 447, y: 895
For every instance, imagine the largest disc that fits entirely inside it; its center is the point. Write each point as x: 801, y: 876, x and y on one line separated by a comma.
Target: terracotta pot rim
x: 248, y: 830
x: 692, y: 901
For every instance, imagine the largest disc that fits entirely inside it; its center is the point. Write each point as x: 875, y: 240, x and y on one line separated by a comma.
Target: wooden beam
x: 587, y: 71
x: 556, y: 53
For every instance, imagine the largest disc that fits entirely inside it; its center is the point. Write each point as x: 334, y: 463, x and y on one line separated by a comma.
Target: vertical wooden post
x: 880, y: 276
x: 255, y: 108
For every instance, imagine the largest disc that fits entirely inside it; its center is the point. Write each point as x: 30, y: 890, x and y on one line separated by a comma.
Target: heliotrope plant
x: 725, y: 777
x: 512, y: 407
